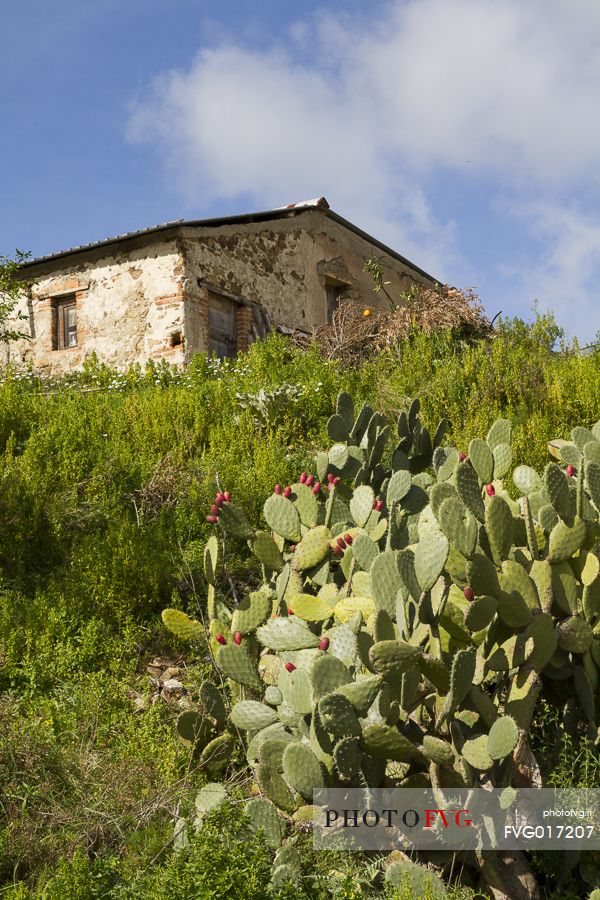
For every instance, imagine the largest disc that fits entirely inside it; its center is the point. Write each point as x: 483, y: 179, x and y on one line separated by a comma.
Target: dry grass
x: 353, y: 335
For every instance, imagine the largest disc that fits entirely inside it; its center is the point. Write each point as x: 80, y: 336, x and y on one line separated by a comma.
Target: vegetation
x: 105, y: 481
x: 12, y: 289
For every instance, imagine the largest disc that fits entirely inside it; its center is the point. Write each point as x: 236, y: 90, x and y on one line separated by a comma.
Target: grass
x: 105, y: 480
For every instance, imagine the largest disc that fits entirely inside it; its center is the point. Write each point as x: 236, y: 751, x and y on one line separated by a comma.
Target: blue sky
x: 465, y: 134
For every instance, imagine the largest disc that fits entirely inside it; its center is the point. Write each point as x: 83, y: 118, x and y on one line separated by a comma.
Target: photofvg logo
x: 408, y: 818
x: 426, y: 819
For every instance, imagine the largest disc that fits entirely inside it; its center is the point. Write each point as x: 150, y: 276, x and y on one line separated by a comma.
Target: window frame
x: 60, y: 330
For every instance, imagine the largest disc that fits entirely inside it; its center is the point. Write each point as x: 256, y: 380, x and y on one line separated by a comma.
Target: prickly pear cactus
x: 412, y: 614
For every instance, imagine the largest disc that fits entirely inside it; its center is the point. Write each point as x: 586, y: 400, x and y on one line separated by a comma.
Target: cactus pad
x: 211, y: 559
x: 557, y: 487
x: 438, y: 751
x: 234, y: 521
x: 362, y: 693
x: 306, y: 503
x: 385, y: 581
x: 347, y: 757
x: 264, y: 817
x: 365, y: 551
x: 499, y: 527
x: 192, y: 727
x: 181, y: 625
x: 468, y: 489
x: 216, y: 756
x: 286, y: 634
x: 311, y: 609
x: 392, y: 658
x: 234, y: 662
x: 475, y: 751
x: 480, y: 613
x: 575, y: 635
x: 272, y: 784
x: 296, y: 689
x: 526, y: 480
x: 398, y: 487
x: 361, y: 504
x: 282, y: 517
x: 337, y: 715
x: 348, y: 607
x: 251, y: 715
x: 327, y: 674
x: 386, y: 742
x: 302, y: 770
x: 211, y: 797
x: 458, y: 525
x: 503, y: 737
x: 266, y: 551
x: 482, y: 459
x: 211, y: 702
x: 313, y: 548
x: 431, y: 554
x: 251, y: 612
x: 502, y: 460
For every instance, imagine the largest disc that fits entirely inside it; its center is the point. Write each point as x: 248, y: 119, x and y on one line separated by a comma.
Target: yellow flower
x: 366, y: 312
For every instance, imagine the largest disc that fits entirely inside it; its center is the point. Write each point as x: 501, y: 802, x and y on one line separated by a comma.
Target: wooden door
x: 222, y: 337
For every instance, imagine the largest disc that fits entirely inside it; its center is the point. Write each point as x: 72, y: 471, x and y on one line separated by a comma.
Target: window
x: 64, y: 332
x: 222, y: 330
x: 335, y: 292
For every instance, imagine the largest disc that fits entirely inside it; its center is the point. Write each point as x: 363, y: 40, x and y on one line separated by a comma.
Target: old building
x: 185, y: 287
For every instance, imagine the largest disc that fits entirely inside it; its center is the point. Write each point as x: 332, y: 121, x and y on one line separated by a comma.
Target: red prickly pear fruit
x: 292, y: 548
x: 337, y: 551
x: 570, y: 471
x: 215, y: 509
x: 226, y: 496
x: 341, y: 543
x: 290, y: 611
x: 237, y: 638
x: 374, y: 504
x: 379, y: 505
x: 324, y: 643
x: 330, y: 486
x: 310, y: 480
x: 211, y: 519
x: 220, y: 639
x: 220, y: 497
x: 348, y: 538
x: 490, y: 490
x: 330, y: 477
x: 336, y: 480
x: 317, y: 487
x: 462, y: 456
x: 219, y: 501
x: 469, y: 593
x: 303, y: 478
x: 287, y: 491
x: 277, y: 488
x: 290, y: 667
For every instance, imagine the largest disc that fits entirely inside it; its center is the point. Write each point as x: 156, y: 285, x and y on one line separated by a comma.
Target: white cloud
x: 565, y: 273
x: 371, y: 112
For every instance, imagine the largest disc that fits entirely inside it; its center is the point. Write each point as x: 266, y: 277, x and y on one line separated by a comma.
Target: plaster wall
x: 129, y: 307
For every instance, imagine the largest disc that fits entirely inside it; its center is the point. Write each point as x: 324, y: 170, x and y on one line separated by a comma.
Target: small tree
x: 12, y: 288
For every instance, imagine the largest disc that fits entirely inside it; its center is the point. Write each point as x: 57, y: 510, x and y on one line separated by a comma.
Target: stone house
x: 213, y: 285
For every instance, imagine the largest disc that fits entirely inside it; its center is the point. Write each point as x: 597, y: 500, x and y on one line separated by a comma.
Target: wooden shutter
x: 221, y: 326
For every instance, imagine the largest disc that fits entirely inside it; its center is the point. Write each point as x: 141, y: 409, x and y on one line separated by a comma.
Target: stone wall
x: 130, y: 308
x: 284, y: 265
